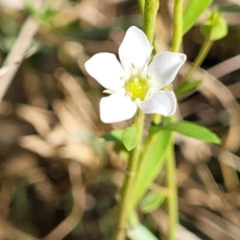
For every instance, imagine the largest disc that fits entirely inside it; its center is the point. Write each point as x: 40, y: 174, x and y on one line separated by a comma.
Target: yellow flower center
x: 137, y: 88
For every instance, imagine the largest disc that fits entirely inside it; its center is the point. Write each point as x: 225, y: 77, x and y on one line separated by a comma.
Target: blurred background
x: 58, y: 180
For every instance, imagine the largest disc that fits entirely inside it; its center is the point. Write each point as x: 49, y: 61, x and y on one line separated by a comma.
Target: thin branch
x: 17, y: 54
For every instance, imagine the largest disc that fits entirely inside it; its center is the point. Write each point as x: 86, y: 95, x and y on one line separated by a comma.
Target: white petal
x: 135, y: 49
x: 116, y: 108
x: 106, y: 69
x: 161, y: 102
x: 164, y: 68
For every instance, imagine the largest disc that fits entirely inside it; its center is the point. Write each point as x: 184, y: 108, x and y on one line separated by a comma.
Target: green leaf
x: 152, y: 201
x: 192, y: 12
x: 215, y: 27
x: 187, y: 87
x: 140, y: 232
x: 194, y: 130
x: 230, y: 8
x: 152, y: 162
x: 132, y: 217
x: 130, y: 137
x: 114, y: 135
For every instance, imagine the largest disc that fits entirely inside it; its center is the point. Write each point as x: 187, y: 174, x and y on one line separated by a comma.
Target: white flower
x: 133, y: 83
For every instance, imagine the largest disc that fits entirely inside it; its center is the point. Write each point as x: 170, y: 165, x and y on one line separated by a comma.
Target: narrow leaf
x: 187, y: 87
x: 133, y: 217
x: 194, y: 130
x: 114, y: 135
x: 230, y: 8
x: 152, y: 201
x: 130, y: 137
x: 152, y: 163
x: 193, y: 11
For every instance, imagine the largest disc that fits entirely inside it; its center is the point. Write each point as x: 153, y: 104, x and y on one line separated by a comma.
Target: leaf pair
x: 153, y: 155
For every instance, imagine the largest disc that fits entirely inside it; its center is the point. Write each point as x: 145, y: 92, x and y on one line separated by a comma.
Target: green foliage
x: 194, y: 130
x: 140, y: 232
x: 130, y: 137
x: 192, y: 12
x: 187, y: 87
x: 152, y: 201
x: 151, y: 164
x: 114, y: 135
x: 123, y: 137
x: 44, y: 16
x: 133, y: 217
x: 215, y: 27
x: 230, y: 8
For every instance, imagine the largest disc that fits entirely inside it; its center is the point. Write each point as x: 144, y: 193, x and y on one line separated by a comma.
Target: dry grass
x: 57, y: 179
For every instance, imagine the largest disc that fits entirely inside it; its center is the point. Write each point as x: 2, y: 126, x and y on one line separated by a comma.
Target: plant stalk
x: 177, y: 25
x: 141, y: 4
x: 173, y: 193
x: 170, y: 163
x: 150, y: 14
x: 200, y: 57
x: 129, y: 180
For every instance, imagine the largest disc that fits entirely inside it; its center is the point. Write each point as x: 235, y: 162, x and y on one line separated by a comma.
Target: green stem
x: 177, y: 25
x: 200, y: 57
x: 150, y: 14
x: 173, y: 193
x: 128, y: 182
x: 141, y: 4
x: 170, y: 164
x: 150, y: 8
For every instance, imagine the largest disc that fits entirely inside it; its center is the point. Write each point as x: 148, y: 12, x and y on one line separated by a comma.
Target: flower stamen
x: 137, y: 88
x: 136, y: 80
